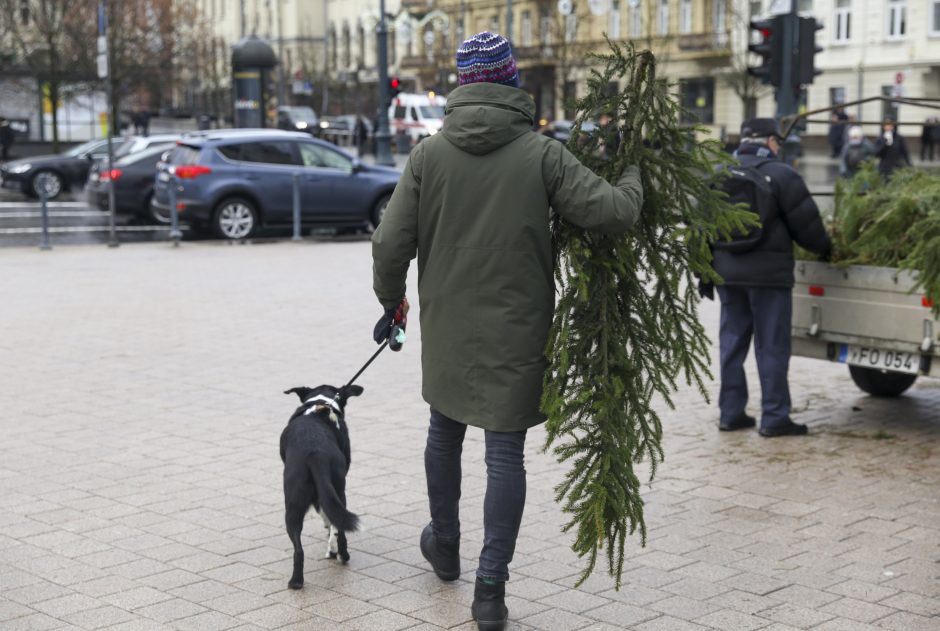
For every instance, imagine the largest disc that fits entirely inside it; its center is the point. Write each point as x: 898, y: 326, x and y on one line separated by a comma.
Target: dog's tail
x: 330, y: 502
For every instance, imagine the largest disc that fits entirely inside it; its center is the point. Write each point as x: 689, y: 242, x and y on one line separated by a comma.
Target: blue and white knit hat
x: 486, y: 57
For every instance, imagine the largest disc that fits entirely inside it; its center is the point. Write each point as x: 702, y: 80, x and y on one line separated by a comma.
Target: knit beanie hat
x: 486, y: 58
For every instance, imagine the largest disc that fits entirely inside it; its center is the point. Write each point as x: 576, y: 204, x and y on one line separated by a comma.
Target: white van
x: 417, y: 115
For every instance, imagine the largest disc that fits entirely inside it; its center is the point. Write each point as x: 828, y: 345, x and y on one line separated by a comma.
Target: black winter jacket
x: 770, y: 264
x: 893, y: 156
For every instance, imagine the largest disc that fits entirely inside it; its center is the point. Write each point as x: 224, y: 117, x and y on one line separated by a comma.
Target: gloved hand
x: 706, y: 290
x: 391, y: 326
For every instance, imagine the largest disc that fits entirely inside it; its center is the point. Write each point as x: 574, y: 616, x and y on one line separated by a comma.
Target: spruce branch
x: 626, y: 328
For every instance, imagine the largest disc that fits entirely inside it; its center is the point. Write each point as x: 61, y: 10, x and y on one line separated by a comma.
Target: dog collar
x: 320, y: 403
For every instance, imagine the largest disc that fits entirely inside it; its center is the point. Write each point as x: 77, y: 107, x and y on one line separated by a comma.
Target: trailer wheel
x: 881, y: 383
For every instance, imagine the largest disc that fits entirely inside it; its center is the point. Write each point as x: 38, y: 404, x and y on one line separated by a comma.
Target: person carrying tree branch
x: 473, y: 203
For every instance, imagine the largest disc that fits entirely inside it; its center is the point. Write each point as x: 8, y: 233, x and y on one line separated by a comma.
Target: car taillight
x: 113, y: 174
x: 927, y: 302
x: 816, y: 290
x: 190, y: 171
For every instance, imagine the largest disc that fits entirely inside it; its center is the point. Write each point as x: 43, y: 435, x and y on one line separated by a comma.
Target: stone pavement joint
x: 140, y: 484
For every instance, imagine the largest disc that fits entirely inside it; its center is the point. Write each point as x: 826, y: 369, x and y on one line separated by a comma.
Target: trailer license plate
x: 897, y: 361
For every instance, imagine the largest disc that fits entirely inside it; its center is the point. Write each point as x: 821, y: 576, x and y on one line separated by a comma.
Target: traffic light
x: 804, y: 62
x: 769, y: 46
x: 394, y: 87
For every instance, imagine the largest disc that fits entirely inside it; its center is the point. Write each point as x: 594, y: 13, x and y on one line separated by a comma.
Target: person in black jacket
x: 6, y: 139
x: 756, y: 298
x: 892, y: 149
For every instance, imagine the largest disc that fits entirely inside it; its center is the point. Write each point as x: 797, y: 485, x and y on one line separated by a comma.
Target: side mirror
x: 356, y: 165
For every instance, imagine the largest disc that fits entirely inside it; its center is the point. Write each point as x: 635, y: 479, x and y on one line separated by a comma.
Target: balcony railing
x: 705, y: 42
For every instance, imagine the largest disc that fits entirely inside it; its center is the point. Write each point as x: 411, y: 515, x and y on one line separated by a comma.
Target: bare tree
x: 49, y: 37
x: 735, y: 75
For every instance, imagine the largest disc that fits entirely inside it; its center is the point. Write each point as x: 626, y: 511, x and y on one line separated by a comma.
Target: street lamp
x: 383, y: 152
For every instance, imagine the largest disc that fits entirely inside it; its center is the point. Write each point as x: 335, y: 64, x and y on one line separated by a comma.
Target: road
x: 140, y: 484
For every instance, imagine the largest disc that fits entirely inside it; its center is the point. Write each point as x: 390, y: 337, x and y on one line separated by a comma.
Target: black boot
x: 444, y: 557
x: 489, y: 606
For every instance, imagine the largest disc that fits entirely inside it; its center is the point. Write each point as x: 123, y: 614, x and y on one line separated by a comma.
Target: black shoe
x: 788, y: 428
x: 443, y: 557
x: 742, y: 422
x: 489, y: 606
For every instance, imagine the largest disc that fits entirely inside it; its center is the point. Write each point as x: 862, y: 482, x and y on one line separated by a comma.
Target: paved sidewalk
x: 141, y: 405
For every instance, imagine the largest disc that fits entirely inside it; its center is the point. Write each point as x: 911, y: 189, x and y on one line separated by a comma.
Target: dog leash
x: 371, y: 359
x: 395, y: 339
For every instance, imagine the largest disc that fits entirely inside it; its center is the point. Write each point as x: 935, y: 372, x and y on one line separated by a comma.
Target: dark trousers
x: 505, y: 490
x: 926, y: 150
x: 763, y: 313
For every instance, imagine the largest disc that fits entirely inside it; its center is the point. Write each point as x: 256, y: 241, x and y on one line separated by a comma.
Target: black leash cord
x: 371, y: 359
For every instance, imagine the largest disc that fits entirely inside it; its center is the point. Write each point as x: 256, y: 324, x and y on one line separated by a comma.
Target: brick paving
x: 140, y: 408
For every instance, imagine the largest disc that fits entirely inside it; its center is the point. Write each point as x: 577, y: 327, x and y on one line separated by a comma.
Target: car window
x: 271, y: 152
x: 316, y: 156
x: 399, y: 111
x: 432, y: 111
x: 183, y: 154
x: 414, y: 114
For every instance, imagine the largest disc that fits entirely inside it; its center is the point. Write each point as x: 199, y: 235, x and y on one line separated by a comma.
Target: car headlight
x: 301, y: 125
x: 20, y: 168
x: 324, y: 124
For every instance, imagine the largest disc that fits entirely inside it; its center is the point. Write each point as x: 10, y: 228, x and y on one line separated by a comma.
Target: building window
x: 663, y: 21
x: 333, y: 48
x: 636, y: 20
x: 361, y: 36
x: 545, y: 28
x: 720, y: 18
x: 613, y: 27
x: 685, y: 17
x: 889, y: 109
x: 392, y: 48
x: 805, y: 6
x: 756, y: 8
x: 698, y: 100
x: 24, y: 11
x: 571, y: 27
x: 836, y: 95
x: 843, y: 22
x: 897, y: 19
x: 569, y: 94
x: 526, y: 33
x: 935, y: 17
x: 347, y: 47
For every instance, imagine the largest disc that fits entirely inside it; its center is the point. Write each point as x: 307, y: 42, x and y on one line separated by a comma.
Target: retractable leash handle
x: 397, y: 337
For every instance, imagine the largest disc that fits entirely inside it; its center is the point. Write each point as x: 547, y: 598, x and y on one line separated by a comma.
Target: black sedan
x: 53, y: 173
x: 133, y: 177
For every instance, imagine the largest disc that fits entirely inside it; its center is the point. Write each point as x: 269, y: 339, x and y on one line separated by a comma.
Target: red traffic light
x: 394, y: 82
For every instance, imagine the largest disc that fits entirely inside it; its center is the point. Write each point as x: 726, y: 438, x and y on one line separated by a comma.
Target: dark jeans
x: 763, y: 313
x: 505, y: 490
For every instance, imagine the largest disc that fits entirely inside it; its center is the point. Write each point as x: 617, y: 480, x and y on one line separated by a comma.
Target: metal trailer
x: 868, y: 318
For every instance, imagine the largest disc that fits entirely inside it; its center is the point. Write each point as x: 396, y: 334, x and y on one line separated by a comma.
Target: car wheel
x: 156, y: 215
x: 48, y: 181
x: 378, y: 211
x: 881, y: 383
x: 234, y: 218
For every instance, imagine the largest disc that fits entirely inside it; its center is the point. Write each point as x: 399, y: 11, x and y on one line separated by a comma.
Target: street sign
x: 599, y: 7
x: 103, y: 66
x: 565, y: 7
x: 780, y: 7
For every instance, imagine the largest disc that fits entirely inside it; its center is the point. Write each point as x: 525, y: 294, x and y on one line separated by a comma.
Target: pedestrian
x: 756, y: 298
x: 855, y: 152
x: 891, y: 149
x: 926, y: 139
x: 362, y: 135
x: 473, y: 204
x: 6, y: 139
x: 145, y: 122
x: 935, y: 132
x: 837, y: 123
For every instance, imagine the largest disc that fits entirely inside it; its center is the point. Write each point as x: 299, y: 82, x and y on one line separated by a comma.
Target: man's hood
x: 482, y: 117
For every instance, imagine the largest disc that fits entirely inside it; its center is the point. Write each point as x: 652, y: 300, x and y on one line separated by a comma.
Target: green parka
x: 473, y: 203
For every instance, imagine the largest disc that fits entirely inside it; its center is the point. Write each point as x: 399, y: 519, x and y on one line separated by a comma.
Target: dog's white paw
x: 333, y: 544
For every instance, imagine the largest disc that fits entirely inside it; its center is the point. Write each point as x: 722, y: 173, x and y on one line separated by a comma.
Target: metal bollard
x: 296, y: 236
x: 44, y: 212
x: 175, y: 233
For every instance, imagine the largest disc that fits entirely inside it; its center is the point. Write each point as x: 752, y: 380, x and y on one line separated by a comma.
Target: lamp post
x: 383, y: 152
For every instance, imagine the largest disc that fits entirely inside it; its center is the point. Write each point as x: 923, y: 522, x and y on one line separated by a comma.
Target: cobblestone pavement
x: 140, y: 409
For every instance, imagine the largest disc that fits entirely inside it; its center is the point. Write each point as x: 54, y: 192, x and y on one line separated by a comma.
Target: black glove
x: 383, y: 328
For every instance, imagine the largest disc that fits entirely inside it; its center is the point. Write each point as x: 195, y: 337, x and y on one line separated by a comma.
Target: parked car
x: 133, y: 144
x: 235, y: 182
x: 133, y: 177
x: 560, y: 130
x: 336, y: 129
x: 54, y: 173
x: 297, y: 118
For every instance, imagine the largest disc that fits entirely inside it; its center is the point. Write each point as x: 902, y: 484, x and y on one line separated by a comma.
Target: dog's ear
x: 301, y: 392
x: 353, y: 391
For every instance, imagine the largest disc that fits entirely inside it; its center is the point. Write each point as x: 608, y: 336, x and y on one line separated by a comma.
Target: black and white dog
x: 316, y: 456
